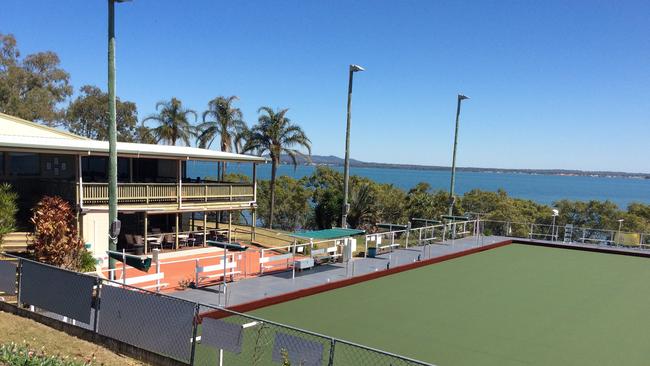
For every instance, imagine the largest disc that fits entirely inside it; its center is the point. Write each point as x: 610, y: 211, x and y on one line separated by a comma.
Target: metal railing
x: 424, y: 235
x: 168, y: 193
x: 565, y: 234
x: 186, y: 331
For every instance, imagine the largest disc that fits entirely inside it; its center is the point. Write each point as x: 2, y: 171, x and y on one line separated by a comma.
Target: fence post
x: 194, y: 331
x: 97, y: 303
x: 333, y: 344
x: 641, y: 241
x: 20, y: 280
x: 365, y: 252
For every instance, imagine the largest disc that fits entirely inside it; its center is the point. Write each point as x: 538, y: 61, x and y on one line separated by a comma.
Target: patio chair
x: 138, y: 244
x: 191, y: 241
x: 155, y: 243
x: 129, y: 241
x: 155, y: 230
x: 168, y: 239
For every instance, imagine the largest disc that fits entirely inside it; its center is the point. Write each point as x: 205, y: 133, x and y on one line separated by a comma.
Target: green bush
x: 12, y: 354
x: 8, y: 209
x: 87, y: 262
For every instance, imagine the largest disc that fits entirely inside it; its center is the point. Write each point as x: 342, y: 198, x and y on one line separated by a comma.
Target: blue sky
x: 554, y: 84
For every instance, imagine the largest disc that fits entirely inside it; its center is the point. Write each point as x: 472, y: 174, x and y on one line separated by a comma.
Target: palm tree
x: 173, y: 122
x: 361, y: 204
x: 275, y: 134
x: 224, y: 120
x: 144, y: 135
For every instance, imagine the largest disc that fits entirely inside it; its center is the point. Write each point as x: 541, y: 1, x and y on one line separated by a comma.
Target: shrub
x: 56, y: 240
x: 87, y: 262
x: 13, y: 354
x: 8, y: 209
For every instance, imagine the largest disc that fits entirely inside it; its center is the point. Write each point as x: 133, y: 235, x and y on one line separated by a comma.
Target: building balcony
x: 170, y: 195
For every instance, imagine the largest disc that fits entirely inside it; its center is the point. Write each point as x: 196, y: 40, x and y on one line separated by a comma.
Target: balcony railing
x: 169, y: 193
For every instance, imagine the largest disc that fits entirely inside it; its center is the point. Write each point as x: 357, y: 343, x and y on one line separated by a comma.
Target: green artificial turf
x: 515, y: 305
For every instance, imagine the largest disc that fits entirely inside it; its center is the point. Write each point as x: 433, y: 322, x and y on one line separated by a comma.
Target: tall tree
x: 144, y: 135
x: 173, y: 122
x: 275, y: 134
x: 32, y: 87
x: 87, y: 116
x: 224, y: 120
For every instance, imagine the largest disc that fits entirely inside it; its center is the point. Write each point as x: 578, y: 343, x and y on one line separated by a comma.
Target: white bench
x: 325, y: 254
x: 274, y: 258
x: 146, y: 278
x: 218, y: 270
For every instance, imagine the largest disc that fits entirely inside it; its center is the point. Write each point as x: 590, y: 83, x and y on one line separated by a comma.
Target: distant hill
x: 332, y: 160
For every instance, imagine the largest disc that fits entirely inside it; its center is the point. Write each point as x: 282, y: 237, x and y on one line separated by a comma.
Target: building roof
x: 93, y: 147
x: 18, y: 133
x: 14, y: 126
x: 327, y: 234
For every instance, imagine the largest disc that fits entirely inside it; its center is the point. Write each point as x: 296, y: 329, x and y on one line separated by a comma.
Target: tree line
x: 315, y: 201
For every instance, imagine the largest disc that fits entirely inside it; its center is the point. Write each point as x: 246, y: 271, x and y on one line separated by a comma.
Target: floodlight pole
x: 112, y: 129
x: 346, y: 166
x: 452, y: 198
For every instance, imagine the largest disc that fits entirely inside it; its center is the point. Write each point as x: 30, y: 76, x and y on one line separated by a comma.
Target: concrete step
x: 16, y: 242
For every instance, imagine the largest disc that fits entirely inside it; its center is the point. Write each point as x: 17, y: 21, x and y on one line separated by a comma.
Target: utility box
x: 347, y: 249
x: 304, y: 263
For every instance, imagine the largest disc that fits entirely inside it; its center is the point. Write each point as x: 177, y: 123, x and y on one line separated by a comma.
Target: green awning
x: 327, y: 234
x: 137, y: 262
x: 233, y: 247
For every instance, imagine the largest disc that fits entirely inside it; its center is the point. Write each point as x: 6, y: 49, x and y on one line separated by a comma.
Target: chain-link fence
x: 565, y: 233
x: 230, y: 338
x: 185, y: 331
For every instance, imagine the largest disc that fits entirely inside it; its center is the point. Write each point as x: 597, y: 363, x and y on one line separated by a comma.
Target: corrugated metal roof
x: 93, y: 147
x: 335, y: 233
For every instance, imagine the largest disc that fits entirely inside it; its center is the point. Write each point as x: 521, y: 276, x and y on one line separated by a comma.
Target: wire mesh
x: 156, y: 323
x: 8, y: 277
x: 57, y: 290
x: 349, y: 354
x: 260, y: 345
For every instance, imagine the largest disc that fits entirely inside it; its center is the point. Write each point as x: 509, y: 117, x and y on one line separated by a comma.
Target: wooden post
x: 180, y: 190
x: 253, y: 224
x: 146, y: 229
x: 254, y: 182
x: 176, y: 241
x: 81, y: 183
x: 229, y: 226
x: 205, y: 228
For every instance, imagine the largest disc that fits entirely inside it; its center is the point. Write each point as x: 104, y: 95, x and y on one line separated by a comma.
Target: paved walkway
x: 251, y: 289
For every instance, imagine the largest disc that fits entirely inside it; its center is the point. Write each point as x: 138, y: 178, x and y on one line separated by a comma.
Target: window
x: 24, y: 164
x: 95, y: 169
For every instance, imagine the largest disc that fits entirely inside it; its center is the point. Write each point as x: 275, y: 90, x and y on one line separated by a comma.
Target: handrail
x: 169, y: 193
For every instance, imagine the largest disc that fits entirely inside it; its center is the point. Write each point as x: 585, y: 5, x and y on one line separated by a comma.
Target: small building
x: 156, y: 194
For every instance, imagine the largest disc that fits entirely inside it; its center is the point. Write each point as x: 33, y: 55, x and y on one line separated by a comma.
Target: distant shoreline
x: 334, y: 161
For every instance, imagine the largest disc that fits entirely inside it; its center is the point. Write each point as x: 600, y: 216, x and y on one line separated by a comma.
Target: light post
x: 452, y: 198
x: 346, y: 166
x: 556, y: 213
x: 112, y: 134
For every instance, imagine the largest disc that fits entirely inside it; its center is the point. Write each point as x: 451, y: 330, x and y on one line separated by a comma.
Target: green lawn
x: 515, y: 305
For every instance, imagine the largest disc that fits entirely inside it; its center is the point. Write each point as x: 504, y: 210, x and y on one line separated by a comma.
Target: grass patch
x: 29, y: 335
